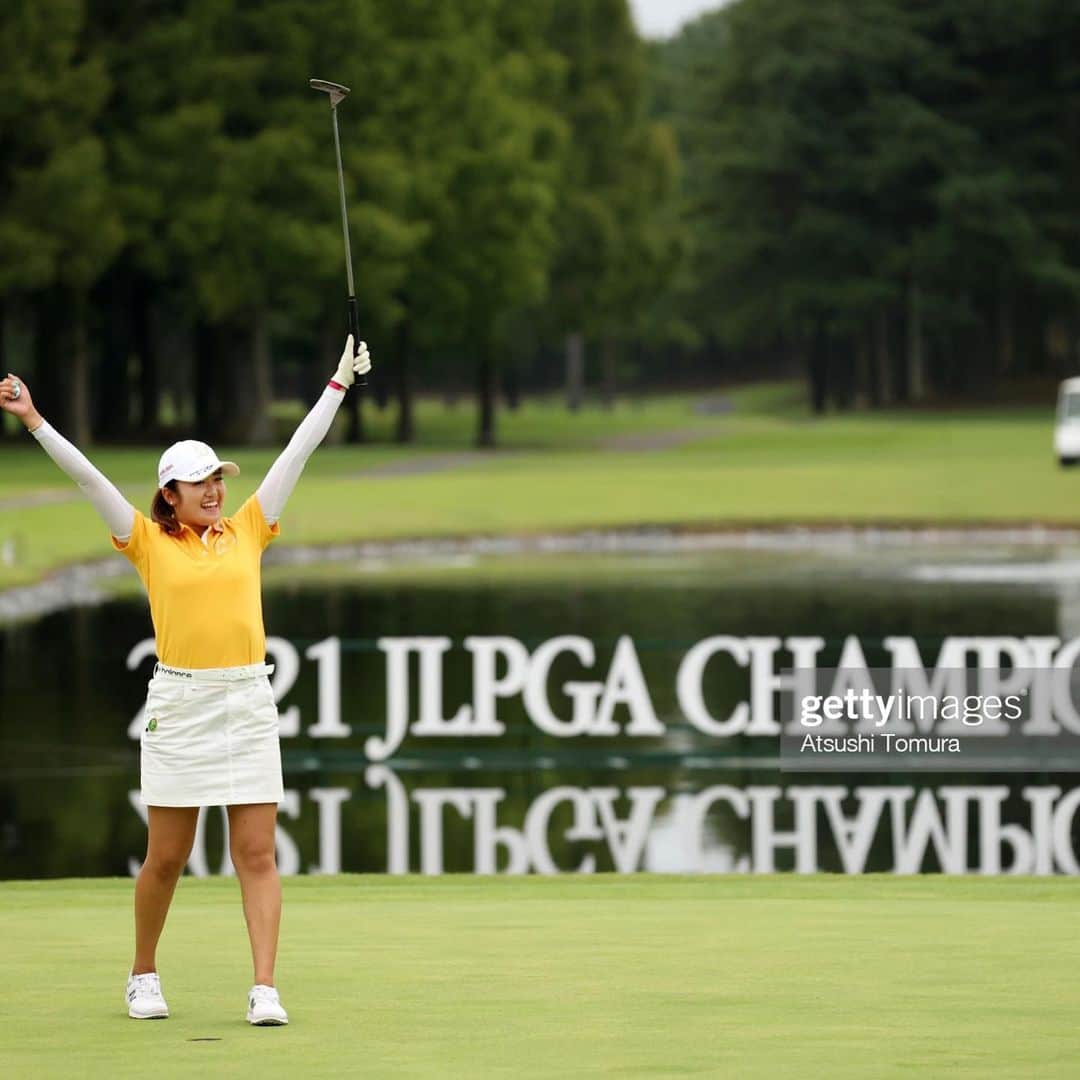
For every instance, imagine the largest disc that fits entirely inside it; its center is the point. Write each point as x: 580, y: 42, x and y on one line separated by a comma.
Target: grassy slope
x: 574, y: 976
x: 765, y: 463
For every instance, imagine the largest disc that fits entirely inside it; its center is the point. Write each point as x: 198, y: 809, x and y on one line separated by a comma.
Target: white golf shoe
x: 144, y: 998
x: 264, y: 1007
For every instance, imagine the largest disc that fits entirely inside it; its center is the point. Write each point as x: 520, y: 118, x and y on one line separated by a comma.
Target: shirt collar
x: 217, y: 527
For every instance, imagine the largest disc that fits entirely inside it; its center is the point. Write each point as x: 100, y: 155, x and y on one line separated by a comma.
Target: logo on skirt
x: 152, y: 726
x: 161, y: 669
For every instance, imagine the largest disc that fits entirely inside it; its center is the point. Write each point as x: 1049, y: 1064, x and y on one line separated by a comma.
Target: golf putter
x: 338, y: 93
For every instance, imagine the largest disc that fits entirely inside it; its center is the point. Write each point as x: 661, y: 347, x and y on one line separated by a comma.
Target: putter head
x: 336, y: 91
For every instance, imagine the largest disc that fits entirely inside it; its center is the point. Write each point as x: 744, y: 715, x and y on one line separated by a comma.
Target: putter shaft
x: 344, y: 212
x: 338, y: 93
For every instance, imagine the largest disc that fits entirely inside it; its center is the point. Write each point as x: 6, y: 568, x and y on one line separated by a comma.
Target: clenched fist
x: 15, y: 399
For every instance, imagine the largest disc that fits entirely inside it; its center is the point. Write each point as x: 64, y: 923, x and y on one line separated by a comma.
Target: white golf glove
x: 350, y: 366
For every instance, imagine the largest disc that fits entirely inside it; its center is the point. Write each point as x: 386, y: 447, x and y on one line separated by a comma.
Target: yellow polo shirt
x: 205, y: 596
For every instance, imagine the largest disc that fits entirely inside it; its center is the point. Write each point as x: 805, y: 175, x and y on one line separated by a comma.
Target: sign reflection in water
x: 484, y: 747
x: 649, y: 828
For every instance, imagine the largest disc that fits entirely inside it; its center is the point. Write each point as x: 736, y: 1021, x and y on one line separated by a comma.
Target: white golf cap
x: 192, y: 461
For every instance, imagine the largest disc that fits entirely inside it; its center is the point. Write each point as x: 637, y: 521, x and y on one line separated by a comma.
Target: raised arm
x: 279, y: 482
x: 114, y: 509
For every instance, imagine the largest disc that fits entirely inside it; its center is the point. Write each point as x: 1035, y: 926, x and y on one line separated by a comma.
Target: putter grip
x: 354, y: 329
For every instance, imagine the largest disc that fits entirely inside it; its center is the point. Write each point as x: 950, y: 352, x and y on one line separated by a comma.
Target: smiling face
x: 198, y: 504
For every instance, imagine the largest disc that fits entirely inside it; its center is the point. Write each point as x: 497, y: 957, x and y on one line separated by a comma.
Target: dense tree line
x: 170, y: 247
x: 887, y: 190
x: 879, y: 193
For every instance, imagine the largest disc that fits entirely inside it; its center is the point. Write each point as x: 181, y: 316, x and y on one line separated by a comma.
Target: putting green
x: 571, y: 976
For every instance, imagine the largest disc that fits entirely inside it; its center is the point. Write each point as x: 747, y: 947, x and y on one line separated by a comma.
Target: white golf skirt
x: 210, y: 738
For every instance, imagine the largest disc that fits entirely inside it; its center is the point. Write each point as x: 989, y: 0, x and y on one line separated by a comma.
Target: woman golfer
x: 211, y: 732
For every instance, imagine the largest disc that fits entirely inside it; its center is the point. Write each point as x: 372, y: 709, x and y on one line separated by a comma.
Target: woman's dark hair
x: 163, y: 513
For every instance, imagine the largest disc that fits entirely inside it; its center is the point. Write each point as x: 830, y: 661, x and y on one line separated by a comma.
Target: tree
x: 876, y: 182
x: 481, y: 153
x: 59, y: 228
x: 602, y: 101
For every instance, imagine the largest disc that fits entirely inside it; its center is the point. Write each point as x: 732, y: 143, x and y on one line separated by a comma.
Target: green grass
x: 571, y: 976
x: 764, y: 463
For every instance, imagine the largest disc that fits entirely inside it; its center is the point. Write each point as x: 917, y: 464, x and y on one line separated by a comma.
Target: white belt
x: 212, y: 675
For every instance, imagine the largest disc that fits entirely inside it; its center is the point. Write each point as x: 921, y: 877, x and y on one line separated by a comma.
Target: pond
x: 560, y: 713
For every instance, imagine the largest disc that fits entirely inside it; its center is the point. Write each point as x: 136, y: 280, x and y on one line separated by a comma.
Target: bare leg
x: 170, y: 835
x: 251, y: 844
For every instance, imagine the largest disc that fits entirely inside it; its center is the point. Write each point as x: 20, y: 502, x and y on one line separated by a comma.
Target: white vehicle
x: 1067, y: 430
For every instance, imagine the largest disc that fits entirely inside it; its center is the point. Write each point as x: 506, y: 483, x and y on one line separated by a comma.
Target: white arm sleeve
x: 279, y: 482
x: 115, y: 510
